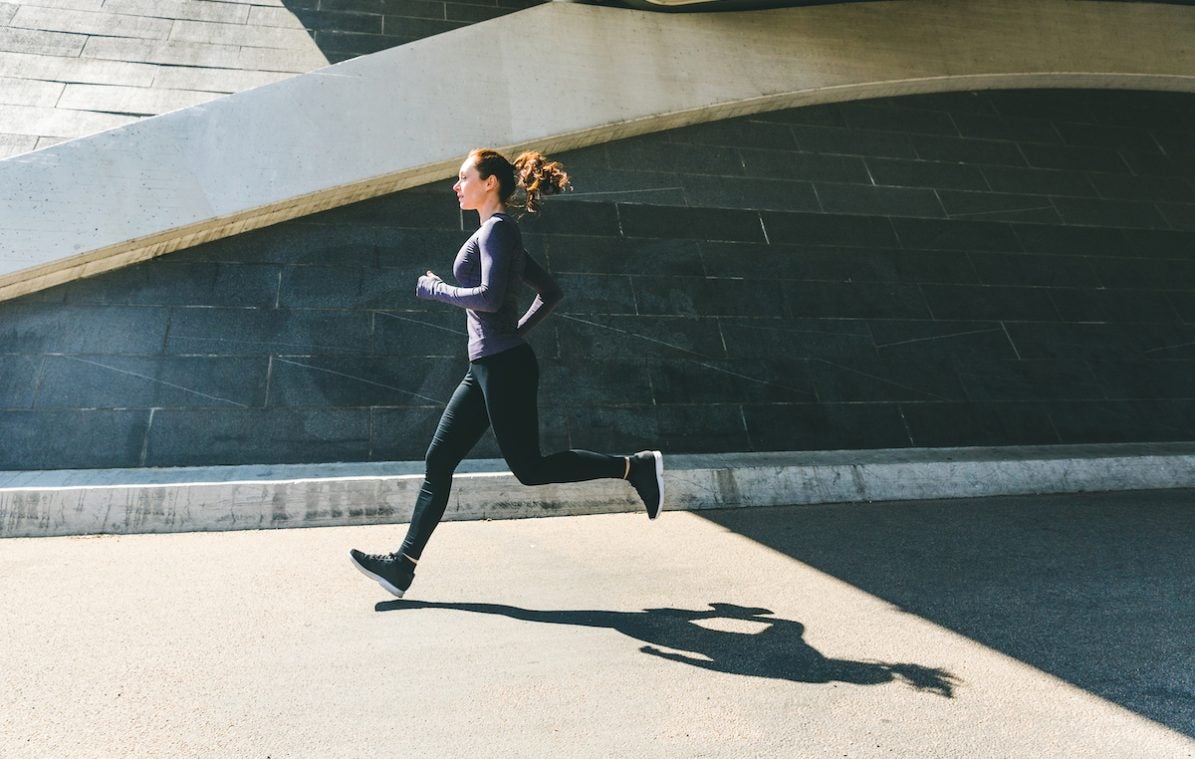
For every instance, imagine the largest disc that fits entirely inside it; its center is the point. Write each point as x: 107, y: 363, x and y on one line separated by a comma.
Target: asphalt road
x: 1013, y: 627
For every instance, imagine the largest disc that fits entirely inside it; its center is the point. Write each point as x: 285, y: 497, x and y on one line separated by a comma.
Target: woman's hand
x: 427, y: 285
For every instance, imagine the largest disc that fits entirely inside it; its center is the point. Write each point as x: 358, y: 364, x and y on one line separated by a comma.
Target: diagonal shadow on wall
x: 1092, y: 588
x: 344, y: 29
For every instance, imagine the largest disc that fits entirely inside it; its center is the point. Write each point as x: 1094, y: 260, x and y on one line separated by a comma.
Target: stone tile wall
x: 344, y: 29
x: 70, y: 68
x: 961, y: 269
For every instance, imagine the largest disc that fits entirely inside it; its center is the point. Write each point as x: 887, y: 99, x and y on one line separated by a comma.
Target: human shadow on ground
x: 1093, y: 588
x: 727, y: 638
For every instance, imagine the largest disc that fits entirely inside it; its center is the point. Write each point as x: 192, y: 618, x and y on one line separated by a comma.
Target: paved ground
x: 1014, y: 627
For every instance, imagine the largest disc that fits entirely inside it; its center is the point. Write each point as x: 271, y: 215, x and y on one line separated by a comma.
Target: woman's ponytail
x: 531, y: 172
x: 537, y: 177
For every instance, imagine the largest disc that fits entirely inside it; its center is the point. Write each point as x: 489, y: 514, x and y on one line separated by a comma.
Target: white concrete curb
x: 41, y: 504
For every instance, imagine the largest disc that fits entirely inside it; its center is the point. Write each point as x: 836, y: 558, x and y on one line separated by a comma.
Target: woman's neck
x: 488, y: 209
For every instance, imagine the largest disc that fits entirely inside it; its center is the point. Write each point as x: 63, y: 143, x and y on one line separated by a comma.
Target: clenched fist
x: 427, y: 285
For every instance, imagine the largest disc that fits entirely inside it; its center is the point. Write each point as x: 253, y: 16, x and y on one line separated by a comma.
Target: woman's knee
x: 529, y: 472
x: 440, y: 460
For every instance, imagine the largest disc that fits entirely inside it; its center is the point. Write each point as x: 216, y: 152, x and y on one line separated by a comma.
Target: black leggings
x: 498, y: 391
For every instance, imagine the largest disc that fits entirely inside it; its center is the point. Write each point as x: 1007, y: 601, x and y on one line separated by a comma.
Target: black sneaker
x: 392, y: 571
x: 647, y: 477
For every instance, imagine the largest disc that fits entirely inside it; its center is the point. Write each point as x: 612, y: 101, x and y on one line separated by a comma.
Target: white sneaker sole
x: 379, y: 580
x: 659, y: 482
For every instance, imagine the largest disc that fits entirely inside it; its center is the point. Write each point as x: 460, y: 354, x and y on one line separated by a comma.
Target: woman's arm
x: 548, y: 295
x: 498, y: 245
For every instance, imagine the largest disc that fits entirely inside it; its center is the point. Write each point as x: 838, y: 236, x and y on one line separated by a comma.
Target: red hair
x: 531, y: 172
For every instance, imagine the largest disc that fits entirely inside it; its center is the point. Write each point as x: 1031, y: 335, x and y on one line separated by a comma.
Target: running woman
x: 500, y: 388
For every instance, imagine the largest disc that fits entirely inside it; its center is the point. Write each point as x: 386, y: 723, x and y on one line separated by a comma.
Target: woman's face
x: 470, y: 188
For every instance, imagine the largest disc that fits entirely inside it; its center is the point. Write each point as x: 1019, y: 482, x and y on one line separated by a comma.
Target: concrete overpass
x: 402, y: 117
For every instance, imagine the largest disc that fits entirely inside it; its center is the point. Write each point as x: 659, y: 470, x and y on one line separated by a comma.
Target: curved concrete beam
x: 406, y: 116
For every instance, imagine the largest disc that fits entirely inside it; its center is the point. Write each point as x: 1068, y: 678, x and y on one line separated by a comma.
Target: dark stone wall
x: 963, y: 269
x: 344, y: 29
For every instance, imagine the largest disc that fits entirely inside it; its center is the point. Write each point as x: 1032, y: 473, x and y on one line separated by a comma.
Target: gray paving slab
x: 1009, y: 627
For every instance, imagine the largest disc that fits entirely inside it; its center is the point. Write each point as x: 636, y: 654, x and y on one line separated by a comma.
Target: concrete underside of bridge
x: 403, y: 117
x: 771, y: 246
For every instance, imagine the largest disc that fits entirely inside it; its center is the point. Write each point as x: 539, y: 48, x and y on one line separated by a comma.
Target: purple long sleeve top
x: 489, y: 267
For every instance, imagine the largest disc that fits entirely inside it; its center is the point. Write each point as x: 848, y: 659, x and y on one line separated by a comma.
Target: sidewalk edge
x: 43, y: 504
